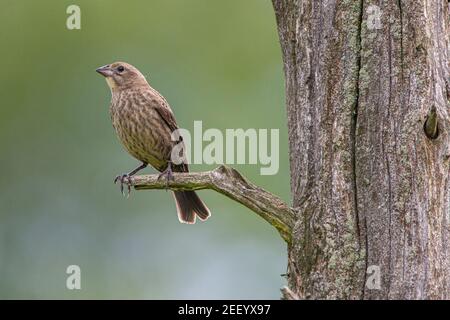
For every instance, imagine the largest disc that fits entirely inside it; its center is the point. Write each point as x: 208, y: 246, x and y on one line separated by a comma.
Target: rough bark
x: 232, y: 184
x: 370, y: 183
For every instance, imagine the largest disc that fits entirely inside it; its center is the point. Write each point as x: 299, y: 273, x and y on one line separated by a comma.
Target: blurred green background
x: 214, y: 60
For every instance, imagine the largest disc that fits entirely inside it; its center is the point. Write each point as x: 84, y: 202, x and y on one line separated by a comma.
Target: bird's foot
x: 168, y: 173
x: 124, y: 179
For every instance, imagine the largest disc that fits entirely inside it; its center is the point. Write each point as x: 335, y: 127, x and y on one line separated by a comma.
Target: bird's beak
x: 105, y: 71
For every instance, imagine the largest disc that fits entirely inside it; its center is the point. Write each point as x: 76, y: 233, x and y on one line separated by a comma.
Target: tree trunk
x: 370, y: 185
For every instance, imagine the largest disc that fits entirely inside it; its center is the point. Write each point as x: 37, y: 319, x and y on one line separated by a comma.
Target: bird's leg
x: 168, y: 173
x: 125, y: 178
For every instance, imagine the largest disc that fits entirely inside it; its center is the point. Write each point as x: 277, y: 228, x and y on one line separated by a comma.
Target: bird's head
x: 122, y: 75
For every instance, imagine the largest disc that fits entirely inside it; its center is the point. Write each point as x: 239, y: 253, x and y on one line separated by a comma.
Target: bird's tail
x: 189, y: 205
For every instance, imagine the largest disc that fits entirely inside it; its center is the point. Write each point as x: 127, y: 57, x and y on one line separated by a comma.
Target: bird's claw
x: 124, y: 179
x: 168, y: 174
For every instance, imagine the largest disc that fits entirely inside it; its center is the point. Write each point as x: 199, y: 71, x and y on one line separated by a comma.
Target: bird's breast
x: 140, y: 129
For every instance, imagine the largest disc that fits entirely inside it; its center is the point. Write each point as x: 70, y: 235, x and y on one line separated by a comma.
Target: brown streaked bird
x: 144, y: 122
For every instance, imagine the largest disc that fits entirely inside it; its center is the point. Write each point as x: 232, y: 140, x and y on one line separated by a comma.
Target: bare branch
x: 232, y: 184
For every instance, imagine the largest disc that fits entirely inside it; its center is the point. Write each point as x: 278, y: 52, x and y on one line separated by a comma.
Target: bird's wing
x: 166, y: 114
x: 164, y: 110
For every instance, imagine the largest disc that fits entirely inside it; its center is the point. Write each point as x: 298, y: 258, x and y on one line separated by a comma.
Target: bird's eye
x: 120, y: 68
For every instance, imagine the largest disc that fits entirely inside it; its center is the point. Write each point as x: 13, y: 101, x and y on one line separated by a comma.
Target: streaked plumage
x: 144, y: 121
